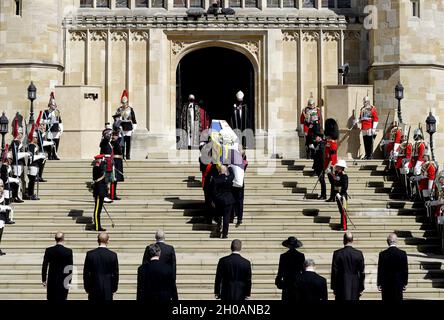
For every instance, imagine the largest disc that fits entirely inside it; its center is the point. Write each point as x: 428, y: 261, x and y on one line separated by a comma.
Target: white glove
x: 375, y: 125
x: 430, y: 185
x: 311, y: 146
x: 373, y: 132
x: 417, y: 169
x: 134, y: 127
x: 13, y: 180
x: 395, y: 154
x: 355, y: 122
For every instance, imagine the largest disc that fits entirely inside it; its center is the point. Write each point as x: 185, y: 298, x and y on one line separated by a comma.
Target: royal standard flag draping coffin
x: 225, y: 149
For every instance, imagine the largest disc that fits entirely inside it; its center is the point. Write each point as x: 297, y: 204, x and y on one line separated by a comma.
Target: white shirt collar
x: 162, y: 241
x: 235, y: 252
x: 102, y: 245
x: 392, y: 245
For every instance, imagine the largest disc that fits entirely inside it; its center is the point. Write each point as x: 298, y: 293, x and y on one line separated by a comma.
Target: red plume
x: 31, y: 133
x: 5, y: 153
x: 15, y: 132
x: 39, y: 118
x: 124, y: 94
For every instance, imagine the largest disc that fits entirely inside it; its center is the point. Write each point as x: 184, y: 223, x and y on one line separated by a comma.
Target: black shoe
x: 238, y: 223
x: 231, y: 220
x: 224, y: 236
x: 2, y: 253
x: 330, y: 200
x: 128, y: 158
x: 25, y: 197
x: 40, y: 179
x: 55, y: 158
x: 321, y: 197
x: 34, y: 197
x: 18, y: 200
x: 10, y: 222
x: 101, y: 229
x: 117, y: 198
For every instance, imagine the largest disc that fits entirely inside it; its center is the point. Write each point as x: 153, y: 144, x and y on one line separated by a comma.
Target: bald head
x: 160, y: 235
x: 59, y: 237
x: 103, y: 238
x: 348, y: 238
x: 392, y: 239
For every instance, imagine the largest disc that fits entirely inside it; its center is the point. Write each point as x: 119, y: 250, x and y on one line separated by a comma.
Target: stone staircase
x: 158, y: 194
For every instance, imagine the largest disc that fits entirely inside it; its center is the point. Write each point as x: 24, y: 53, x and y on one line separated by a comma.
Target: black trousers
x: 368, y: 146
x: 238, y: 194
x: 1, y: 234
x: 127, y: 147
x: 321, y: 177
x: 391, y: 294
x: 98, y: 200
x: 31, y: 185
x: 15, y: 188
x: 41, y: 168
x: 113, y: 190
x: 225, y: 214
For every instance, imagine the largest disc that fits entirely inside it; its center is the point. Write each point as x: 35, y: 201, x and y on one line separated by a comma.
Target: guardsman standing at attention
x: 128, y: 123
x: 402, y: 156
x: 310, y: 121
x: 100, y: 190
x: 339, y: 182
x: 419, y: 150
x: 117, y: 143
x: 106, y: 148
x: 331, y: 149
x: 369, y: 122
x: 35, y: 161
x: 54, y: 127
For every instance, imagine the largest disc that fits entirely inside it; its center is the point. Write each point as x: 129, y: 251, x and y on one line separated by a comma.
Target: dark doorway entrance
x: 214, y: 75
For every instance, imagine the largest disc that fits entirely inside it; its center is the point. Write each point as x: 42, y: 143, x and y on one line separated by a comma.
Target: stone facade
x: 295, y: 53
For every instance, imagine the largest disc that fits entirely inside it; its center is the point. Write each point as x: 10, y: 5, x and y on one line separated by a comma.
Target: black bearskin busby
x: 331, y: 129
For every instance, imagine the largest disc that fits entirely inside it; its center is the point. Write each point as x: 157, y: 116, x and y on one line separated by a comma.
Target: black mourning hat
x: 292, y: 242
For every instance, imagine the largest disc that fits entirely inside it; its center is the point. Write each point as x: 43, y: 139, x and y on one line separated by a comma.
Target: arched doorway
x: 214, y: 75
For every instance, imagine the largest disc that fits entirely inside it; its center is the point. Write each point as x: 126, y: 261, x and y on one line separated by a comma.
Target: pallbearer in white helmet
x: 54, y: 127
x: 310, y: 122
x: 368, y: 118
x: 239, y: 117
x: 128, y: 123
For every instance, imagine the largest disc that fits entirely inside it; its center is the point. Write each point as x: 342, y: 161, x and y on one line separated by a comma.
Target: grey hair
x: 392, y: 239
x: 160, y: 235
x: 154, y: 250
x: 348, y: 237
x: 309, y: 263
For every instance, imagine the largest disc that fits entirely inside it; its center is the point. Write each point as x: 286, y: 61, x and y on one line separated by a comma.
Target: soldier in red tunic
x: 425, y: 181
x: 368, y: 118
x: 331, y: 151
x: 402, y: 155
x: 419, y: 148
x: 310, y: 122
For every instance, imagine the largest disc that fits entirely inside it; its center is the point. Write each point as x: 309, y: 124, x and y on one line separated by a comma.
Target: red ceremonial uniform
x: 205, y: 120
x: 368, y: 116
x: 404, y: 152
x: 395, y: 138
x: 309, y: 117
x: 429, y: 172
x: 418, y: 153
x: 330, y: 153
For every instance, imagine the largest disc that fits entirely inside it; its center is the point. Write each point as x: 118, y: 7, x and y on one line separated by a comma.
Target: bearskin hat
x: 331, y: 129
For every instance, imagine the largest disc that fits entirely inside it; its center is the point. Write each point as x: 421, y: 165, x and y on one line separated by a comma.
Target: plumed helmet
x: 366, y: 100
x: 52, y: 102
x: 331, y: 129
x: 311, y: 102
x: 341, y: 163
x: 418, y: 134
x: 240, y: 95
x: 191, y: 97
x: 124, y: 98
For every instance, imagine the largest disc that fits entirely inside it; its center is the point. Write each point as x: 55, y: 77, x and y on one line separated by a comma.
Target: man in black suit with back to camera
x: 60, y: 262
x: 291, y: 263
x: 309, y: 285
x: 168, y: 254
x: 347, y: 271
x: 233, y: 276
x: 101, y: 271
x: 156, y: 281
x: 393, y: 271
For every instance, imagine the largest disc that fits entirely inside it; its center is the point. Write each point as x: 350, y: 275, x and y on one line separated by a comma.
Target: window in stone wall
x: 235, y: 3
x: 142, y: 3
x: 273, y: 3
x: 416, y: 8
x: 308, y: 3
x: 86, y: 3
x: 18, y: 7
x: 250, y: 3
x: 158, y: 4
x: 196, y: 4
x: 121, y: 3
x: 328, y: 3
x: 344, y: 4
x: 289, y: 3
x: 180, y: 3
x: 102, y: 3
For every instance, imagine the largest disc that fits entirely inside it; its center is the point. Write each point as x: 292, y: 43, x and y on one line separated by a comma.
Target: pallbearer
x: 54, y: 127
x: 128, y: 123
x: 310, y: 121
x: 368, y: 118
x: 100, y: 189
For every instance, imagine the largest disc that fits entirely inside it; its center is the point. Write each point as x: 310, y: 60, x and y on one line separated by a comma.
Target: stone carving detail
x: 352, y: 35
x: 78, y: 36
x: 139, y: 36
x: 119, y: 36
x: 331, y: 36
x: 178, y: 46
x: 98, y: 35
x: 290, y: 35
x: 310, y: 36
x: 252, y: 46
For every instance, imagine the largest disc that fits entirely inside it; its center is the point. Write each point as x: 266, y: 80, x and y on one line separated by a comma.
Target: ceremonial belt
x: 118, y: 156
x: 100, y: 179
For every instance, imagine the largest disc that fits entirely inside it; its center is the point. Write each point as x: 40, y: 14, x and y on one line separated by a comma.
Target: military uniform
x: 117, y: 144
x: 35, y: 161
x: 100, y: 189
x: 127, y: 122
x: 418, y: 152
x: 310, y: 122
x: 339, y: 187
x: 368, y: 118
x: 10, y: 183
x: 54, y: 127
x: 402, y: 155
x: 106, y: 149
x: 318, y: 163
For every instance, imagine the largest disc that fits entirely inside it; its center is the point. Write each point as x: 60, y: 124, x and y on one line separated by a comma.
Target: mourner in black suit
x: 233, y: 276
x: 156, y: 281
x: 223, y: 197
x: 168, y: 255
x: 101, y: 271
x: 291, y: 263
x: 310, y: 286
x: 60, y: 261
x: 347, y: 271
x: 393, y: 271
